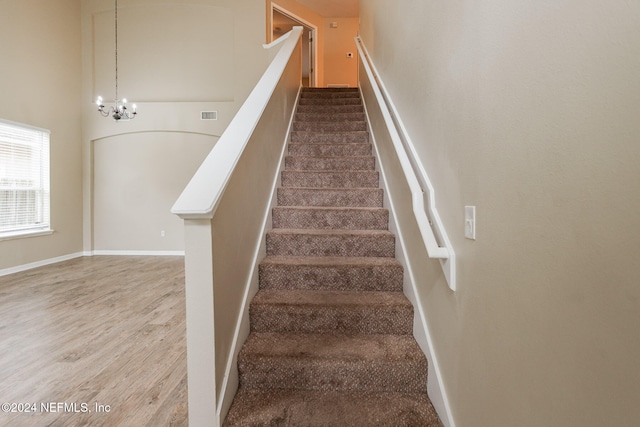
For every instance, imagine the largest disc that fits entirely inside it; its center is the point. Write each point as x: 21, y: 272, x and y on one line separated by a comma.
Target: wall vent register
x: 208, y: 115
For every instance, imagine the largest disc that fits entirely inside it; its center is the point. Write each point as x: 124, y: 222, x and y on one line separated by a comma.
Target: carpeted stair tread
x: 330, y: 117
x: 331, y: 273
x: 329, y: 137
x: 330, y: 109
x: 330, y: 101
x: 331, y: 409
x: 331, y: 312
x: 329, y: 94
x: 331, y: 126
x: 330, y: 89
x: 343, y: 218
x: 310, y: 242
x: 336, y: 197
x: 330, y: 163
x: 330, y: 179
x: 330, y: 150
x: 332, y: 362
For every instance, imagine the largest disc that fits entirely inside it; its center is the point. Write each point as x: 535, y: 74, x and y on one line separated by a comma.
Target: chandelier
x: 119, y: 108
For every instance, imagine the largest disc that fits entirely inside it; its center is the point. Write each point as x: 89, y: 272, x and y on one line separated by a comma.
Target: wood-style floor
x: 94, y: 331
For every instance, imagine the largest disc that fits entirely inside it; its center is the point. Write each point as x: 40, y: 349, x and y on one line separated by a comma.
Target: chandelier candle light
x: 119, y: 110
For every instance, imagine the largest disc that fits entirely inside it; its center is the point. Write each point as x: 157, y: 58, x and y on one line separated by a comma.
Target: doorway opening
x: 282, y: 21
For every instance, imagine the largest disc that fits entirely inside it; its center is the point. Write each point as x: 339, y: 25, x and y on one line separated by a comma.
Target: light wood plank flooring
x: 95, y: 331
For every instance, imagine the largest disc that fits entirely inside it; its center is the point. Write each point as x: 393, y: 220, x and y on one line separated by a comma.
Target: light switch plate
x: 470, y: 222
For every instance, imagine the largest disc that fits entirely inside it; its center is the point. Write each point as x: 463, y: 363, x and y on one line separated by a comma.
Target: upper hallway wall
x: 39, y: 84
x: 307, y: 15
x: 340, y: 69
x: 334, y: 43
x: 528, y: 111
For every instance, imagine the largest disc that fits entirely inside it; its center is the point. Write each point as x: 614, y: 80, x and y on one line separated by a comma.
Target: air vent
x: 208, y: 115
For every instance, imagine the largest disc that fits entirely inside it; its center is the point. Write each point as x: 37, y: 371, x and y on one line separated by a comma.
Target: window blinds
x: 24, y: 179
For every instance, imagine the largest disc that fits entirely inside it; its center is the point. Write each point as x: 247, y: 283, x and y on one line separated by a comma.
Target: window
x: 24, y: 180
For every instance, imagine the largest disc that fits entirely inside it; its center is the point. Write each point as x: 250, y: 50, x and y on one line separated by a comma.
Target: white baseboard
x: 435, y: 385
x: 29, y: 266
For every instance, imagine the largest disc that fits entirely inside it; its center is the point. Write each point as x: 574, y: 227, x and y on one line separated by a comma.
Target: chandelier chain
x: 116, y: 51
x: 119, y: 110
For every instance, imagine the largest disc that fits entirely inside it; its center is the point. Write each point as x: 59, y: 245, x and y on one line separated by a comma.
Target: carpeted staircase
x: 331, y: 331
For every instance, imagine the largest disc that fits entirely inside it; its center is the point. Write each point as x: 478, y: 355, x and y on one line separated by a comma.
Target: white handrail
x: 201, y: 196
x: 444, y: 253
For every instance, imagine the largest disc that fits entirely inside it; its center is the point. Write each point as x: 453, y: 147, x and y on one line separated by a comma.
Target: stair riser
x: 336, y: 117
x: 330, y: 164
x: 349, y: 320
x: 270, y: 407
x: 331, y: 219
x: 330, y: 278
x: 330, y: 245
x: 357, y: 137
x: 366, y: 198
x: 329, y: 126
x: 362, y: 376
x: 330, y: 101
x: 329, y: 109
x: 367, y: 179
x: 329, y: 89
x: 330, y: 150
x: 330, y: 95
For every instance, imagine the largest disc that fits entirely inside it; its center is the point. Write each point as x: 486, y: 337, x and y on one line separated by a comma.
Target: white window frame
x: 25, y: 190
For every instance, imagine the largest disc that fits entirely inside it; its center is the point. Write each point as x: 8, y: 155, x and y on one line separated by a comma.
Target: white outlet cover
x: 470, y: 222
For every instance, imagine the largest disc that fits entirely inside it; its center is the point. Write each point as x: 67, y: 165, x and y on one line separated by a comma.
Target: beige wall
x: 39, y: 85
x: 337, y: 43
x: 527, y: 110
x: 137, y: 179
x: 175, y: 59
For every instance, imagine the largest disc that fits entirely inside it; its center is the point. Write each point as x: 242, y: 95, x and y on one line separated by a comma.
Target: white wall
x: 175, y: 59
x: 527, y: 110
x: 40, y: 73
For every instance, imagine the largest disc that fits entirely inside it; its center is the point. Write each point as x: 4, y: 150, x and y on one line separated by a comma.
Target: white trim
x: 24, y: 234
x: 23, y: 125
x: 136, y: 253
x: 36, y: 264
x: 228, y: 392
x: 435, y: 385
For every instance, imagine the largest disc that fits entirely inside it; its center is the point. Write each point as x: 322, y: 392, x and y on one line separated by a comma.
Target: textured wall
x: 39, y: 83
x: 527, y: 110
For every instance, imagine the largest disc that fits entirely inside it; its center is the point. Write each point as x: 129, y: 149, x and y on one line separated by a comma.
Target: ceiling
x: 333, y: 8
